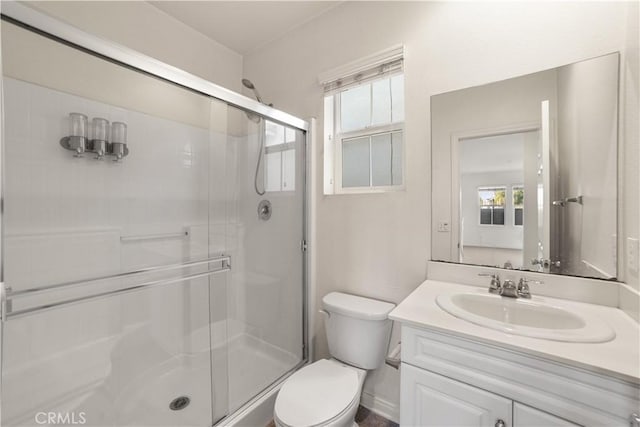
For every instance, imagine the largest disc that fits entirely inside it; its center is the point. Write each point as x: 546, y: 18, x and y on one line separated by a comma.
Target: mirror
x: 524, y: 171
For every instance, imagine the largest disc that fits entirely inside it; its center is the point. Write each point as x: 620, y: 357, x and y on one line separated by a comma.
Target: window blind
x: 374, y: 66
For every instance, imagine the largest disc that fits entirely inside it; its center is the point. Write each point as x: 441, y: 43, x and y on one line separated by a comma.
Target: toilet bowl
x: 327, y: 392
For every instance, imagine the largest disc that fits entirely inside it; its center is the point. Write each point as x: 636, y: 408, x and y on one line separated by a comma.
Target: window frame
x: 337, y: 139
x: 513, y: 204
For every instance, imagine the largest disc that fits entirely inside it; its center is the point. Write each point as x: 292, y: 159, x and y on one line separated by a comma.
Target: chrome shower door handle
x: 545, y: 263
x: 563, y: 202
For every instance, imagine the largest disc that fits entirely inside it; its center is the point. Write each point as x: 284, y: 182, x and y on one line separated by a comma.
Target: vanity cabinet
x: 448, y: 380
x: 433, y: 400
x: 430, y: 399
x: 526, y: 416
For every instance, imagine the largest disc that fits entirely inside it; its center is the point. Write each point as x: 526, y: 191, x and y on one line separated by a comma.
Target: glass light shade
x: 119, y: 132
x: 78, y: 125
x: 100, y: 128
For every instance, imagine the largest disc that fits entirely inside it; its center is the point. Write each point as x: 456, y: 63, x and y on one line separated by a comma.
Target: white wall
x: 145, y: 28
x: 376, y: 245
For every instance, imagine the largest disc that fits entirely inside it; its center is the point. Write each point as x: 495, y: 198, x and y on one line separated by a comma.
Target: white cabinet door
x: 428, y: 399
x: 526, y: 416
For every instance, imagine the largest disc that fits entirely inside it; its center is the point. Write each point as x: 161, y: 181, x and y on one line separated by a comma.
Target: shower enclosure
x: 143, y: 283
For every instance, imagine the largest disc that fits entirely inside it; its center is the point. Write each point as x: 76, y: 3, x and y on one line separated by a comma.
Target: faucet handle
x: 494, y: 286
x: 523, y: 287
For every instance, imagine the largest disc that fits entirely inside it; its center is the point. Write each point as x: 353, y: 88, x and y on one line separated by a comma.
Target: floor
x: 365, y: 418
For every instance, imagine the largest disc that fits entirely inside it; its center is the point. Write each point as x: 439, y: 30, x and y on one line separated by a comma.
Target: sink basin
x: 525, y: 317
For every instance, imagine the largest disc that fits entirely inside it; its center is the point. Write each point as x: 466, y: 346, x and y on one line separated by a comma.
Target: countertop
x: 619, y: 357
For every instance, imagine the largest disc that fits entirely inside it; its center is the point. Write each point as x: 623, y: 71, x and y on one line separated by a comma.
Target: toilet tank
x: 358, y: 329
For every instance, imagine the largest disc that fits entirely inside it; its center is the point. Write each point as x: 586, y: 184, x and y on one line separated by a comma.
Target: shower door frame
x: 52, y: 28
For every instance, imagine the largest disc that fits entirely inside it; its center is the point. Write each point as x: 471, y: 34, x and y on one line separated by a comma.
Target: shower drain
x: 179, y: 403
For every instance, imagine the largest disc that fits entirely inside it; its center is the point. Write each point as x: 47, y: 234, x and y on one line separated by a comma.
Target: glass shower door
x: 112, y: 298
x: 265, y: 221
x: 165, y: 287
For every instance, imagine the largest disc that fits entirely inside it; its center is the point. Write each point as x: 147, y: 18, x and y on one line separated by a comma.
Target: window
x: 364, y: 130
x: 518, y: 205
x: 279, y: 157
x: 492, y: 202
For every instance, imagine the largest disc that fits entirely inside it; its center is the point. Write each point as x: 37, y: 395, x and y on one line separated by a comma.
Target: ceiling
x: 244, y: 26
x: 492, y: 154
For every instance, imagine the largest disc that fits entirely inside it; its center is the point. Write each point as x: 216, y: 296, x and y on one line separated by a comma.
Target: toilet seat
x: 317, y: 393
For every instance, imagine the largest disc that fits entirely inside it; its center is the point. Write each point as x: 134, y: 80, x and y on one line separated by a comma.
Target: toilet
x: 327, y: 392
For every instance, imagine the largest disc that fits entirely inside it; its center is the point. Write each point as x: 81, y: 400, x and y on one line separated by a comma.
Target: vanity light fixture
x: 101, y: 143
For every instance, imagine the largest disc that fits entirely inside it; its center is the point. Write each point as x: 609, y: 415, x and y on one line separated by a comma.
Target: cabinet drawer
x: 581, y: 396
x: 526, y: 416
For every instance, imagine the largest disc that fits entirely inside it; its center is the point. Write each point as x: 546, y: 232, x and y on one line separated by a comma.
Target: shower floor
x: 240, y: 373
x: 253, y: 365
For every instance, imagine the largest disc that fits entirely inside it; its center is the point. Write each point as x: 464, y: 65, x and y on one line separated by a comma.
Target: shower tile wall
x: 64, y: 218
x: 69, y: 214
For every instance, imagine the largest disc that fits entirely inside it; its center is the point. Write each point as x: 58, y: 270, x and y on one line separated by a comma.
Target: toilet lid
x: 316, y: 393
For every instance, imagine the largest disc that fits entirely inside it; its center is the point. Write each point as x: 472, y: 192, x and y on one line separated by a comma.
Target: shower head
x: 249, y: 85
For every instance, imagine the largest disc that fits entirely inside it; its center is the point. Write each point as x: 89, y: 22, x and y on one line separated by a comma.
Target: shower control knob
x: 264, y: 210
x: 500, y: 423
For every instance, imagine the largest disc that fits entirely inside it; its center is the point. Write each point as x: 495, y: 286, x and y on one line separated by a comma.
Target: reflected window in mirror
x: 492, y: 201
x: 518, y: 205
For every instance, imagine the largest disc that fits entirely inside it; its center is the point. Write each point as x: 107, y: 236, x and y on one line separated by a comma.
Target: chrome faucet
x: 509, y: 288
